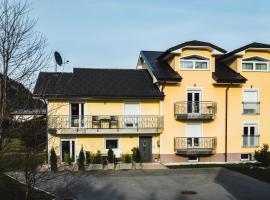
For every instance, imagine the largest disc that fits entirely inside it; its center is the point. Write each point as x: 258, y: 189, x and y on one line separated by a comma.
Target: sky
x: 111, y: 33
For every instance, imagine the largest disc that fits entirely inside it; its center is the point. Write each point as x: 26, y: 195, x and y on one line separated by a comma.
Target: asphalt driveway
x: 178, y: 184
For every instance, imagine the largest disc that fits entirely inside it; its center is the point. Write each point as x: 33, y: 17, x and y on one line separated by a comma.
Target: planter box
x: 96, y: 166
x: 110, y: 166
x: 125, y: 166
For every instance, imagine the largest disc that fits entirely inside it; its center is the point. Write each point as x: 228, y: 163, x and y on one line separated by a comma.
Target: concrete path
x: 179, y: 184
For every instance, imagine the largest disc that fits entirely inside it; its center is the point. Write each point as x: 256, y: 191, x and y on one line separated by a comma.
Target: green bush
x: 81, y: 160
x: 263, y: 155
x: 110, y: 155
x: 136, y: 155
x: 88, y: 158
x: 126, y: 158
x: 97, y: 158
x: 53, y: 160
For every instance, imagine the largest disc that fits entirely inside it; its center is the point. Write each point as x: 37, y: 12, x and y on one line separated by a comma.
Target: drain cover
x: 188, y: 192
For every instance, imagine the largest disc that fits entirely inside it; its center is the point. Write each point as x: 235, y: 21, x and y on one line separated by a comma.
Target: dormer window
x: 255, y: 64
x: 194, y: 63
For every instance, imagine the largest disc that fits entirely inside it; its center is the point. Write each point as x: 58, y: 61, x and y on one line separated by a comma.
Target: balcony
x: 106, y: 124
x: 195, y: 110
x: 250, y: 141
x: 251, y: 108
x: 187, y: 146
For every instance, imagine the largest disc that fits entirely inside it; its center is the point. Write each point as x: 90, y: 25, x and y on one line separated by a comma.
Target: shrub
x: 53, y: 160
x: 110, y: 155
x: 263, y: 155
x: 97, y: 158
x: 136, y: 155
x: 126, y: 158
x: 81, y: 160
x: 88, y: 158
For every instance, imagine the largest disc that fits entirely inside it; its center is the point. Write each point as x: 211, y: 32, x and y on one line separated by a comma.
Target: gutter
x: 226, y: 122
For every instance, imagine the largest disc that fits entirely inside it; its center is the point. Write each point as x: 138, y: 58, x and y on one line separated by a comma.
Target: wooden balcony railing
x: 195, y: 110
x: 105, y: 122
x: 195, y: 145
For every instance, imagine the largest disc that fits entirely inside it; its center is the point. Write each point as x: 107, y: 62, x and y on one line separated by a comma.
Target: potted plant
x: 81, y: 160
x: 88, y: 160
x: 136, y: 158
x: 126, y: 162
x: 53, y: 160
x: 110, y: 158
x: 97, y: 161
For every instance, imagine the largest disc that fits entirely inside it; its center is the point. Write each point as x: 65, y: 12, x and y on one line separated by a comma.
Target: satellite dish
x: 58, y: 58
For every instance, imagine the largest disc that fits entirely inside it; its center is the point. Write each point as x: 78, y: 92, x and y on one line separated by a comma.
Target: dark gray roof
x: 251, y: 45
x: 190, y: 43
x: 224, y: 74
x: 161, y: 69
x: 98, y: 83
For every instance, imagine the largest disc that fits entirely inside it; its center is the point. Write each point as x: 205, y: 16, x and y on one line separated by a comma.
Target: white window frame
x: 257, y: 131
x: 117, y: 152
x: 106, y: 139
x: 70, y: 149
x: 80, y: 116
x: 258, y: 99
x: 193, y: 64
x: 248, y: 159
x: 254, y: 66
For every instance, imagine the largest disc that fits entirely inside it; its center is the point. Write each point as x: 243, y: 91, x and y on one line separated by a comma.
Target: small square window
x: 112, y: 143
x: 245, y: 157
x: 247, y: 66
x: 193, y: 158
x: 186, y: 64
x: 201, y: 65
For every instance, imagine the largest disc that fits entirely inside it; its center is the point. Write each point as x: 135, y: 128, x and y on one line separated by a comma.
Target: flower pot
x: 125, y: 166
x: 96, y: 166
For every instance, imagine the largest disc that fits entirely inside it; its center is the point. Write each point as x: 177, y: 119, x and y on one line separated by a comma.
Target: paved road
x: 180, y: 184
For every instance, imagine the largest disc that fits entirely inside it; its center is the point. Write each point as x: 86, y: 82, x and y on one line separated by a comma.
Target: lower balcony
x: 187, y: 146
x: 105, y: 124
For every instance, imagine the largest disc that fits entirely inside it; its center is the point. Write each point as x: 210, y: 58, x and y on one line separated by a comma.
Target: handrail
x: 195, y: 107
x: 105, y: 121
x: 186, y: 143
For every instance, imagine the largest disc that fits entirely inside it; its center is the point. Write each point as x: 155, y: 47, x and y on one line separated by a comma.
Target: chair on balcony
x: 113, y: 122
x: 95, y: 122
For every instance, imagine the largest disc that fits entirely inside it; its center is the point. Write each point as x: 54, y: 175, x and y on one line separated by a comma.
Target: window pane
x: 245, y: 130
x: 112, y: 143
x: 200, y: 65
x: 247, y: 66
x: 252, y: 130
x: 261, y: 66
x: 186, y: 64
x: 65, y: 150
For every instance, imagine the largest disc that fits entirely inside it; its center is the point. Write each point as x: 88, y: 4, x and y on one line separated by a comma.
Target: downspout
x: 226, y: 122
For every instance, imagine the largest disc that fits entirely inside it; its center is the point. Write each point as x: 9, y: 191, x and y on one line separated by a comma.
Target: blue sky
x: 111, y: 33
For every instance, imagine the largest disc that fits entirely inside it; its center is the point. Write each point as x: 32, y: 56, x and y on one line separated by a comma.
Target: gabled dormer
x: 251, y: 57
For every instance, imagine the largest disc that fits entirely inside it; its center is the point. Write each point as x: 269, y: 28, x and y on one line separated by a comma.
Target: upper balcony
x: 195, y: 110
x: 105, y: 124
x: 195, y: 145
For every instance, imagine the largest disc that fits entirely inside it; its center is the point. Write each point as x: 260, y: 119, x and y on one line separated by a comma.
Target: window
x: 194, y: 63
x: 255, y: 65
x: 250, y: 135
x: 68, y: 150
x: 111, y: 143
x: 251, y: 104
x: 76, y: 115
x: 245, y: 157
x: 193, y: 159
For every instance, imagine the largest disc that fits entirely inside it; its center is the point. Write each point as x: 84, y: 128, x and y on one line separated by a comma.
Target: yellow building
x: 194, y: 102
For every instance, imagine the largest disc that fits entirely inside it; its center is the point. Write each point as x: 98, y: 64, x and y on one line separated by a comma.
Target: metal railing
x: 105, y: 121
x: 186, y: 143
x: 195, y: 108
x: 251, y: 140
x: 251, y: 108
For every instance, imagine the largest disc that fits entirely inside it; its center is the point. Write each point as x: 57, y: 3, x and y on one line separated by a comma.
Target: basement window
x: 245, y: 157
x: 193, y: 159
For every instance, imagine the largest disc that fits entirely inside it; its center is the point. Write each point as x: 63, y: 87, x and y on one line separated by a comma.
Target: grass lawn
x: 247, y: 169
x: 13, y: 190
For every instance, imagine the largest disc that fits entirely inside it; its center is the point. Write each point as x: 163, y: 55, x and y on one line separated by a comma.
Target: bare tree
x: 22, y: 50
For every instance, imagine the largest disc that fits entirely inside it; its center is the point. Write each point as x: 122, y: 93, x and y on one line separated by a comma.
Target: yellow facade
x: 163, y: 142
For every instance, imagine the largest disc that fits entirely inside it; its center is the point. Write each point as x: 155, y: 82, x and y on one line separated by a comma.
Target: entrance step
x: 153, y: 166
